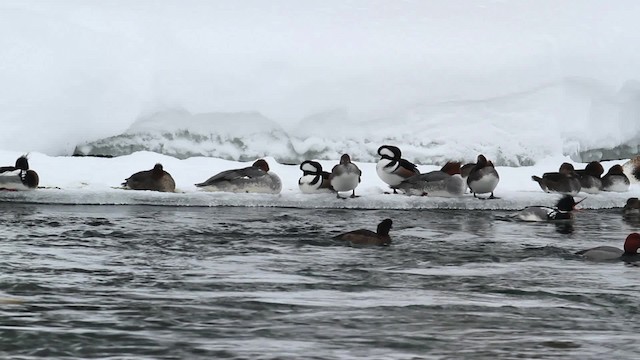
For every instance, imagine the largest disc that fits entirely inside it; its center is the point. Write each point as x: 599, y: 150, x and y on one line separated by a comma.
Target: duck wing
x: 234, y: 174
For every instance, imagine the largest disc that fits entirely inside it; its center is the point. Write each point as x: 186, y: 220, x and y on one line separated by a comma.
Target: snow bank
x: 89, y: 180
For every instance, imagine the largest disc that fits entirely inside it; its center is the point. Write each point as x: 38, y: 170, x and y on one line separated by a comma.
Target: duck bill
x: 578, y: 202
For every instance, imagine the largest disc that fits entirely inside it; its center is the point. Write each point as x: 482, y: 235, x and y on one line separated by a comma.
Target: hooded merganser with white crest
x: 565, y: 181
x: 392, y: 168
x: 632, y: 207
x: 368, y: 237
x: 610, y: 253
x: 615, y: 180
x: 313, y: 179
x: 345, y: 176
x: 18, y: 177
x: 562, y: 211
x: 483, y: 177
x: 590, y: 181
x: 445, y: 182
x: 155, y: 179
x: 252, y: 179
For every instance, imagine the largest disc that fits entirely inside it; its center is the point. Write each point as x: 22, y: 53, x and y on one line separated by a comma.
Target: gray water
x: 145, y: 282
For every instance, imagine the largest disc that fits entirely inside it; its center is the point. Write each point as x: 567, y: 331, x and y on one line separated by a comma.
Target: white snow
x: 89, y: 180
x: 519, y: 81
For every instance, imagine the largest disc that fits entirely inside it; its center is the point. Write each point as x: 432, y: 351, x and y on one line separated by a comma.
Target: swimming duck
x: 345, y: 176
x: 155, y: 179
x: 589, y: 177
x: 565, y: 181
x: 483, y: 177
x: 562, y: 211
x: 445, y: 182
x: 615, y: 180
x: 392, y: 168
x: 252, y: 179
x: 632, y: 207
x: 313, y: 179
x: 610, y: 253
x: 368, y: 237
x: 632, y: 169
x: 18, y: 177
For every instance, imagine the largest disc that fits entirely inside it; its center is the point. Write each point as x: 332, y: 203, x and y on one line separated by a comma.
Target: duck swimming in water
x: 18, y: 177
x: 345, y: 176
x: 367, y: 237
x: 610, y: 253
x: 615, y: 180
x: 155, y: 179
x: 590, y: 181
x: 562, y: 211
x: 445, y: 182
x: 392, y: 168
x: 252, y: 179
x: 565, y: 181
x: 632, y: 207
x: 313, y: 179
x: 483, y: 177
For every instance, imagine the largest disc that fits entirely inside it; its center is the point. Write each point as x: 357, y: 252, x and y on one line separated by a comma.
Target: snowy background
x: 517, y: 80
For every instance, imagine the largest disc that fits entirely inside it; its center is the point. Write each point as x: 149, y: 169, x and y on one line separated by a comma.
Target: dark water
x: 142, y: 282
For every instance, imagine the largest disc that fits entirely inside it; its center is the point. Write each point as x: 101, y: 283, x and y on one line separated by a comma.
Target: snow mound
x: 178, y: 133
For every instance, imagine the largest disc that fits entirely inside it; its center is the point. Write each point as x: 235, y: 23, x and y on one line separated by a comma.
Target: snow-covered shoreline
x: 96, y: 181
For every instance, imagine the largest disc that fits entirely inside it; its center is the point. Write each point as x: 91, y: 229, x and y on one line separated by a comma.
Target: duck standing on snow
x: 445, y: 182
x: 565, y: 181
x: 483, y: 177
x: 562, y: 211
x: 313, y: 179
x: 632, y: 207
x: 345, y: 176
x: 252, y: 179
x: 615, y: 180
x: 18, y: 177
x: 367, y: 237
x: 155, y: 179
x: 590, y: 181
x: 392, y: 168
x: 610, y: 253
x: 632, y: 169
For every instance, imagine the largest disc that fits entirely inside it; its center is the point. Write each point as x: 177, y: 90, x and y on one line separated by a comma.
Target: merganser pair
x: 18, y: 177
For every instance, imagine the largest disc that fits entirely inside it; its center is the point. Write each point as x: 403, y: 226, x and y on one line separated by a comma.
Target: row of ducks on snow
x: 451, y: 180
x: 381, y: 237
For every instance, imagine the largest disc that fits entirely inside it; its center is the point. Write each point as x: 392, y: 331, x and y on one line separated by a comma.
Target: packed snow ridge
x: 576, y: 117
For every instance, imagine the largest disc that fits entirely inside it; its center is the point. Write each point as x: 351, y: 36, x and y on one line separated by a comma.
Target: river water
x: 164, y: 282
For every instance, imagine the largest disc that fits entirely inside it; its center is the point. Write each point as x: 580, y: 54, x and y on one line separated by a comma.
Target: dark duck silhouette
x: 155, y: 179
x: 367, y: 237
